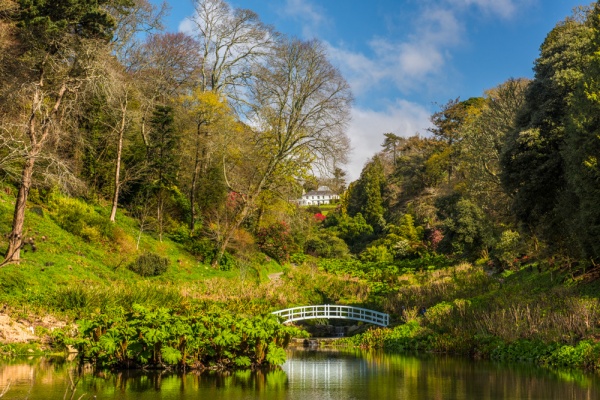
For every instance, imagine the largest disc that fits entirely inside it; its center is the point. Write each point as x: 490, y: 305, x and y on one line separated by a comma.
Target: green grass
x: 86, y: 273
x: 326, y: 208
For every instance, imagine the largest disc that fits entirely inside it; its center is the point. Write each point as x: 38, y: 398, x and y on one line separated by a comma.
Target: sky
x: 406, y: 58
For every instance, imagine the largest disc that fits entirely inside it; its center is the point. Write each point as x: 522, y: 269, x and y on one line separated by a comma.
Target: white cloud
x: 361, y: 71
x: 311, y: 16
x: 187, y: 26
x: 406, y: 64
x: 368, y: 126
x: 502, y: 8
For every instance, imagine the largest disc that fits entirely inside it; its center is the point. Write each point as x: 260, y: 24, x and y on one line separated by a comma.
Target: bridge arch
x: 329, y: 311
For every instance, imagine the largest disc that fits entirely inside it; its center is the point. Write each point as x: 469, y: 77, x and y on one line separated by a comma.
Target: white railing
x: 333, y: 311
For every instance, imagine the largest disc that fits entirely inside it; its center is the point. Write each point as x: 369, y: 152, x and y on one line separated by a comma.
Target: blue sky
x: 403, y: 58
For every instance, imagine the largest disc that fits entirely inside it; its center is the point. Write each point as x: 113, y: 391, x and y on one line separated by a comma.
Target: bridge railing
x: 334, y: 311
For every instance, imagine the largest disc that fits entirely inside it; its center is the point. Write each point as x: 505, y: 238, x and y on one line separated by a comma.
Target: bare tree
x: 232, y: 42
x: 164, y: 66
x: 299, y: 107
x: 143, y: 18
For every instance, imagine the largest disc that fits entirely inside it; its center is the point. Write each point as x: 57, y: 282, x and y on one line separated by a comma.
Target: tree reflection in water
x: 307, y: 374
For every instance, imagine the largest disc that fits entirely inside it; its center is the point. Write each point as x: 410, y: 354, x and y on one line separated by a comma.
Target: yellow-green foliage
x: 81, y: 219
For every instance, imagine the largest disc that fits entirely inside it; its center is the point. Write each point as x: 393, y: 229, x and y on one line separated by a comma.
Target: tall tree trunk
x: 37, y: 137
x: 195, y: 175
x: 193, y: 191
x: 15, y: 238
x: 115, y: 202
x: 160, y: 214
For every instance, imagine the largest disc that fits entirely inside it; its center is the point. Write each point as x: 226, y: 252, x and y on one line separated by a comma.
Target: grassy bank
x: 543, y: 316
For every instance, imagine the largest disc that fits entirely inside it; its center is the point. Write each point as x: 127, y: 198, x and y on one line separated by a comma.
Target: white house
x: 323, y: 195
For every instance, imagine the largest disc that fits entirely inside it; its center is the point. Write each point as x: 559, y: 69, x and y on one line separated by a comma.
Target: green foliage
x: 466, y: 229
x: 81, y: 219
x: 275, y: 240
x: 533, y: 167
x: 366, y: 195
x: 583, y: 355
x: 149, y: 264
x: 212, y: 189
x: 162, y: 338
x: 327, y: 246
x: 403, y: 240
x: 298, y: 258
x: 508, y: 248
x: 164, y: 154
x: 416, y: 169
x: 49, y: 23
x: 313, y: 210
x: 355, y: 231
x: 410, y: 336
x: 377, y: 254
x: 579, y: 208
x: 382, y: 277
x: 203, y: 248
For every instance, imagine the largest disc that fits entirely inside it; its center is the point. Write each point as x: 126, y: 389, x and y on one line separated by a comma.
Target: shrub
x: 275, y: 241
x: 319, y: 217
x: 313, y: 210
x: 508, y: 248
x: 202, y: 248
x: 327, y: 246
x: 298, y: 258
x: 181, y: 234
x: 377, y: 254
x: 149, y: 264
x: 80, y: 219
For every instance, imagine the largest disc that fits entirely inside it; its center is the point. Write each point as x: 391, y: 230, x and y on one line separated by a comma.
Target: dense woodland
x: 505, y: 177
x: 207, y: 137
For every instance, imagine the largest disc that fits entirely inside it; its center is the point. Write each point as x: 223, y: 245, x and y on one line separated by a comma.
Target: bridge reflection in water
x: 331, y: 373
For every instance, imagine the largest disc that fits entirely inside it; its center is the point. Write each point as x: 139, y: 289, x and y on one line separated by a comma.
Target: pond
x: 320, y: 374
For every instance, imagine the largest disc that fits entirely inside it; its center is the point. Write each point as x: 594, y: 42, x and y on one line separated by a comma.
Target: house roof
x: 321, y: 191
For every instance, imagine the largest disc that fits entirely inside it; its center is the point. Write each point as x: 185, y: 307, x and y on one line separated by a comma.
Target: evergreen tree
x: 163, y: 159
x: 533, y: 170
x: 582, y: 151
x: 366, y: 196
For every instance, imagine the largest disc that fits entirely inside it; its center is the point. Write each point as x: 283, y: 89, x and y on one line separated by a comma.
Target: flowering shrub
x: 234, y: 200
x: 435, y: 237
x: 275, y: 241
x: 320, y: 217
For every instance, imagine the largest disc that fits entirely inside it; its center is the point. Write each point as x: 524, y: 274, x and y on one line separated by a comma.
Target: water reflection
x: 307, y: 375
x: 385, y: 376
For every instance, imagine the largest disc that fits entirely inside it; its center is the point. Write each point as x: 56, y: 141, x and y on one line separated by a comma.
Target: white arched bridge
x: 328, y: 311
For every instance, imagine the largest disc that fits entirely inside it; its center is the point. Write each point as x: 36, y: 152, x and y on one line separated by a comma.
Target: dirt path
x: 275, y: 277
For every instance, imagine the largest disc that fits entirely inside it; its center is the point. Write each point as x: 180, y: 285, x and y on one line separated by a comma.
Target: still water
x: 306, y: 375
